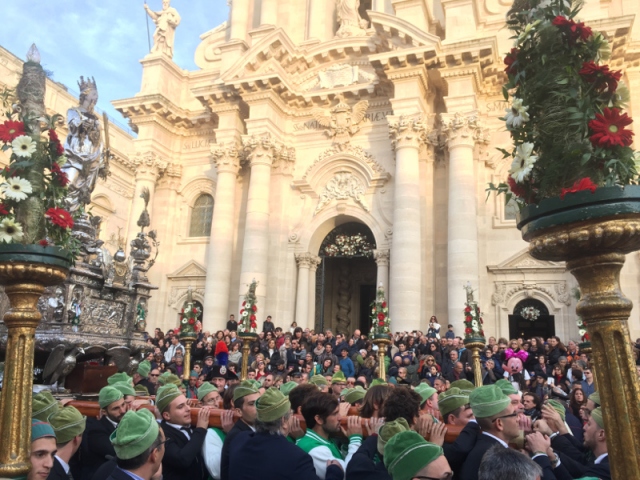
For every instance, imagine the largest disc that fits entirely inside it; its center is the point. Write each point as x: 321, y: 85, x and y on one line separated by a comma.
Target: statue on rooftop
x: 351, y: 24
x: 166, y: 21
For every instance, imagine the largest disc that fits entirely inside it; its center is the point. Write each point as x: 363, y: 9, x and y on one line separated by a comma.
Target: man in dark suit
x: 141, y: 377
x: 68, y: 424
x: 232, y: 325
x: 183, y: 452
x: 268, y: 445
x: 455, y: 410
x: 96, y: 445
x: 140, y: 447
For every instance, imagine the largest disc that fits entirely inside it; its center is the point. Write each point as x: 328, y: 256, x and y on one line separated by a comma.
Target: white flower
x: 517, y: 114
x: 523, y: 162
x: 527, y: 30
x: 23, y: 146
x: 10, y: 231
x: 582, y: 332
x: 16, y: 188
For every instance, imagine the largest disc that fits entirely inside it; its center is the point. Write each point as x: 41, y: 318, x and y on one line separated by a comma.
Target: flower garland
x: 473, y: 320
x: 248, y: 320
x: 380, y: 321
x: 566, y: 117
x: 530, y: 313
x: 349, y: 246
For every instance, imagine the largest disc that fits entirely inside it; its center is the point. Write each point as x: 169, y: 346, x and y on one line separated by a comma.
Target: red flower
x: 575, y: 31
x: 601, y: 76
x: 3, y: 209
x: 582, y: 184
x: 468, y: 331
x: 241, y: 311
x: 59, y: 217
x: 467, y: 310
x: 43, y: 242
x: 516, y: 189
x: 58, y: 175
x: 9, y: 130
x: 608, y: 129
x: 254, y: 325
x: 469, y: 318
x: 509, y: 60
x: 384, y: 304
x: 381, y: 324
x: 252, y: 318
x: 481, y: 320
x: 254, y: 308
x: 381, y: 316
x: 194, y: 310
x: 191, y: 321
x: 53, y: 136
x: 244, y: 303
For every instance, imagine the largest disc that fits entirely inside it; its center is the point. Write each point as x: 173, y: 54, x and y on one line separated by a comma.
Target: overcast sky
x: 101, y: 38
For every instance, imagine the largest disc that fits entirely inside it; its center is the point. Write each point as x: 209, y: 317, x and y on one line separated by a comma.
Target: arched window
x: 201, y: 216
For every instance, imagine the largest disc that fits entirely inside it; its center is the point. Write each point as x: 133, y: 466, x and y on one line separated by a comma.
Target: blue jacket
x: 347, y: 367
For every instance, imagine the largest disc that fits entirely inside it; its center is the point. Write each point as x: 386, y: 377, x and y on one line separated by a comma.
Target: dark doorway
x: 367, y: 296
x: 531, y: 318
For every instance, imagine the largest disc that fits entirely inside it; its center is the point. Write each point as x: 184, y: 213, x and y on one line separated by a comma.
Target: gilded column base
x: 247, y: 338
x: 475, y: 345
x: 382, y: 341
x: 188, y: 340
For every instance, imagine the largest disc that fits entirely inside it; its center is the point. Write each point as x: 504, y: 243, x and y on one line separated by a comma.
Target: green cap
x: 166, y: 395
x: 285, y: 388
x: 407, y: 453
x: 205, y: 389
x: 595, y: 398
x: 506, y: 386
x: 558, y: 407
x: 144, y: 368
x: 43, y: 405
x: 162, y: 379
x: 388, y: 430
x: 40, y: 430
x: 67, y: 424
x: 141, y: 390
x: 318, y: 380
x: 243, y: 389
x: 377, y: 381
x: 272, y: 406
x: 465, y: 385
x: 136, y: 432
x: 108, y: 395
x: 125, y: 388
x: 256, y: 384
x: 120, y: 377
x: 487, y: 401
x: 193, y: 374
x: 355, y: 394
x: 450, y: 400
x: 425, y: 391
x: 338, y: 377
x: 596, y: 414
x: 172, y: 379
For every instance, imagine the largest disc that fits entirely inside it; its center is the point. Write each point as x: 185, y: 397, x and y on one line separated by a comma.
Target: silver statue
x: 166, y: 20
x: 83, y: 147
x: 59, y: 365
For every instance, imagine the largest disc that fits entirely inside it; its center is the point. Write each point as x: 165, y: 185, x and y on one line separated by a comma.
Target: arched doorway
x: 531, y: 318
x: 346, y: 279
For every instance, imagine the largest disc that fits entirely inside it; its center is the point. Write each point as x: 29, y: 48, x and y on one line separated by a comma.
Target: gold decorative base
x: 475, y: 346
x: 23, y: 283
x: 246, y: 338
x: 188, y: 340
x: 382, y: 344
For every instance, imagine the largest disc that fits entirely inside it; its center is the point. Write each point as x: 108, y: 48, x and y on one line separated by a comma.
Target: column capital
x: 462, y: 129
x: 407, y: 131
x: 226, y: 157
x: 260, y: 149
x: 304, y: 260
x: 148, y: 166
x: 381, y: 257
x: 315, y: 261
x: 172, y: 176
x: 285, y: 160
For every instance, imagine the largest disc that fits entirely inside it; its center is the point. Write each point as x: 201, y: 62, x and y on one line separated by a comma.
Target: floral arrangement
x: 248, y: 320
x: 566, y: 117
x: 189, y: 323
x: 530, y: 313
x: 582, y: 330
x: 380, y: 321
x: 349, y: 246
x: 473, y: 320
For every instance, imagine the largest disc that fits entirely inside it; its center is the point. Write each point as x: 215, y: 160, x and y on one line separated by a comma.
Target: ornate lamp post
x: 247, y: 326
x: 380, y: 328
x: 189, y: 327
x: 474, y: 334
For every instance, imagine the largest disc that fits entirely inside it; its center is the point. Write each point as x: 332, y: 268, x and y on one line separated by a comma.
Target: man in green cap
x: 141, y: 377
x: 407, y: 455
x: 140, y: 447
x: 321, y: 413
x: 367, y: 463
x: 266, y: 454
x: 429, y: 397
x: 320, y: 382
x: 96, y: 446
x: 43, y: 405
x: 338, y: 383
x: 69, y: 425
x: 192, y: 389
x: 514, y: 395
x: 209, y: 396
x: 245, y: 396
x: 43, y: 450
x: 129, y: 393
x: 498, y: 420
x: 183, y: 452
x: 120, y: 377
x: 355, y: 396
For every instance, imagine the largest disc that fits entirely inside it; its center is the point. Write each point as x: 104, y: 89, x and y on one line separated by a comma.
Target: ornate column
x: 148, y: 167
x: 302, y: 293
x: 260, y: 152
x: 407, y: 134
x: 313, y: 268
x: 461, y: 132
x: 220, y: 252
x: 382, y: 260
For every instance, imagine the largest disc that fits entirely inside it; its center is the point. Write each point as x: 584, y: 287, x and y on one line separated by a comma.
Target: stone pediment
x: 191, y: 269
x: 523, y: 261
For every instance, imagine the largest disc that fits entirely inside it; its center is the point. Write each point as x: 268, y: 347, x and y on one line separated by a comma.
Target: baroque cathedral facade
x: 327, y: 147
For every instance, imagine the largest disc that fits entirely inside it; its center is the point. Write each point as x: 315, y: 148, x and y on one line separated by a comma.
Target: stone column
x: 148, y: 167
x: 313, y: 268
x: 269, y: 12
x: 239, y: 19
x: 382, y: 260
x: 407, y: 134
x: 220, y: 253
x: 302, y: 293
x: 317, y: 19
x: 260, y: 152
x: 461, y: 131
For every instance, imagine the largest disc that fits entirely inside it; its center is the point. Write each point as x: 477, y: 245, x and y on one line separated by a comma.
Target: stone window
x: 201, y: 215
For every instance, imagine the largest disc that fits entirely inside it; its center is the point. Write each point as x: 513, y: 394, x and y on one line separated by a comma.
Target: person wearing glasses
x: 141, y: 377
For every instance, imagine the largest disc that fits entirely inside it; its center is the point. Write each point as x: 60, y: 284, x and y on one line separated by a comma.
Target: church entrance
x: 346, y: 279
x: 531, y: 318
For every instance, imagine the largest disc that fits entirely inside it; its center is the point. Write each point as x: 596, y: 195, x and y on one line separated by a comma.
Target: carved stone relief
x: 342, y: 186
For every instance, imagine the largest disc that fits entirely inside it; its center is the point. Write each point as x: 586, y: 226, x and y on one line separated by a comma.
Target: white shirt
x: 600, y: 458
x: 502, y: 442
x: 64, y: 464
x: 179, y: 427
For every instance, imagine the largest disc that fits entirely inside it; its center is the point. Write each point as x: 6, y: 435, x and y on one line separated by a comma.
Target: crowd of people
x: 537, y: 397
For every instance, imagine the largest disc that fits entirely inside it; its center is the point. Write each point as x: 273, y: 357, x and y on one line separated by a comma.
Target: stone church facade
x: 327, y: 147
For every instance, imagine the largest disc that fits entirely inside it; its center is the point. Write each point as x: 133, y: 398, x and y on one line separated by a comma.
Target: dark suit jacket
x: 150, y: 386
x: 95, y: 446
x: 363, y: 464
x: 119, y: 474
x: 57, y: 472
x: 237, y: 429
x: 469, y: 470
x: 182, y: 457
x: 456, y: 453
x: 271, y: 457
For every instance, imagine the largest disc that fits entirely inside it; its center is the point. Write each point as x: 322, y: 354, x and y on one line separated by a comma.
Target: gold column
x: 23, y: 283
x: 382, y: 344
x: 247, y: 338
x: 585, y: 347
x: 187, y: 339
x: 475, y: 345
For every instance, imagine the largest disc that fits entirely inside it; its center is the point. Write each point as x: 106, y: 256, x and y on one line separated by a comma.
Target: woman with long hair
x: 577, y: 401
x: 374, y: 400
x: 235, y: 355
x: 434, y: 351
x: 556, y: 350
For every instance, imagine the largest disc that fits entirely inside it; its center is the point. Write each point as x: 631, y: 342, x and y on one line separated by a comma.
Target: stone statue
x: 83, y: 147
x: 351, y: 24
x: 166, y: 21
x: 469, y: 289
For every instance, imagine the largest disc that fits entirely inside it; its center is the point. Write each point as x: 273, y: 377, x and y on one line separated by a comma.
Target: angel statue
x: 351, y: 24
x: 83, y: 147
x: 166, y: 21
